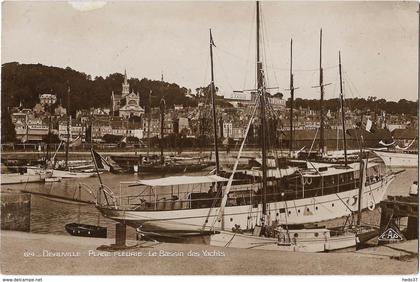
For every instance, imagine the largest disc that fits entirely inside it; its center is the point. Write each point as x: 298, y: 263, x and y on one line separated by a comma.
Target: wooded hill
x: 25, y: 82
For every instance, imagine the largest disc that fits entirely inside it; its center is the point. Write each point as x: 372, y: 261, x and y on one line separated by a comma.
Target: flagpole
x: 99, y: 176
x: 213, y: 99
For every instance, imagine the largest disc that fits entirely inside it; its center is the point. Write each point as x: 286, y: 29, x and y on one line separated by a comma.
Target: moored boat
x: 191, y: 204
x: 57, y: 173
x: 63, y: 173
x: 399, y: 159
x: 86, y: 230
x: 24, y: 175
x: 299, y: 240
x: 17, y: 178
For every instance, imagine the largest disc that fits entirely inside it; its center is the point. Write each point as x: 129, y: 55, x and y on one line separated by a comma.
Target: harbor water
x: 50, y: 215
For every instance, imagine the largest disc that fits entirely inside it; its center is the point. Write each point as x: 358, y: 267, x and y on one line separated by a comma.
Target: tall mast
x: 361, y: 174
x: 213, y: 99
x: 342, y: 109
x: 261, y: 90
x: 292, y: 97
x: 149, y: 117
x: 162, y: 122
x: 321, y: 86
x: 68, y: 126
x: 48, y: 108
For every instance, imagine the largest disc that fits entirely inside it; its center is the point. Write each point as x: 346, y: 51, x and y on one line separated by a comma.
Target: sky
x: 378, y: 43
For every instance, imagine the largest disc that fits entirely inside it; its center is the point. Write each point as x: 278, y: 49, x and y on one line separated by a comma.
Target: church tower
x: 125, y: 85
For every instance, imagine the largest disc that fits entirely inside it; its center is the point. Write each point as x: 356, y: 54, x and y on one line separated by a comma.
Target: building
x: 31, y: 130
x: 240, y: 99
x: 60, y: 110
x: 100, y: 112
x: 155, y: 127
x: 183, y: 125
x: 38, y: 109
x: 76, y: 129
x: 100, y: 127
x: 47, y: 99
x: 227, y: 130
x: 277, y: 101
x: 19, y: 117
x: 126, y: 104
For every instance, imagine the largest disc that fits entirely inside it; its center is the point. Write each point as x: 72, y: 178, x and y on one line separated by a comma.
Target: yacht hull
x: 299, y: 211
x: 71, y: 174
x: 308, y: 245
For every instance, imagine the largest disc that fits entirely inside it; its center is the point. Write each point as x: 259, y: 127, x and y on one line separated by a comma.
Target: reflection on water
x: 50, y: 215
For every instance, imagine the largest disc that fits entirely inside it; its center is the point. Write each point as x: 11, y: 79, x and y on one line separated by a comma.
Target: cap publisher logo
x: 390, y: 235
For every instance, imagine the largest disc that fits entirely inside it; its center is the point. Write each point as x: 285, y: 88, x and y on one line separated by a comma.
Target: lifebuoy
x: 371, y: 205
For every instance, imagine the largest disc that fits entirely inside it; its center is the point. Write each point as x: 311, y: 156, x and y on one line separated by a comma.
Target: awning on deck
x: 180, y: 180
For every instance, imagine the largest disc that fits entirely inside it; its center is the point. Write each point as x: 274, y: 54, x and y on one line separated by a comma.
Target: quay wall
x: 15, y: 211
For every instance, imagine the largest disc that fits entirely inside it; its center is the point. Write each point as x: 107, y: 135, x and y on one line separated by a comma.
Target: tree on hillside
x: 25, y: 82
x: 8, y: 132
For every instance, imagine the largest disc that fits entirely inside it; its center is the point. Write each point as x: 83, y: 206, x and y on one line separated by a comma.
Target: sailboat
x: 271, y: 235
x: 66, y: 171
x: 23, y: 175
x: 196, y: 205
x: 323, y: 157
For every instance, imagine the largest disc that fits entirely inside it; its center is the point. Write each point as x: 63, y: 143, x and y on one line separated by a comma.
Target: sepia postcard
x: 209, y: 138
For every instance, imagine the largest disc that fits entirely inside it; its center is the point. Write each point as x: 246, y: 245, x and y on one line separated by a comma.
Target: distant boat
x: 152, y: 164
x: 25, y: 177
x: 173, y: 167
x: 58, y: 173
x: 72, y: 174
x: 398, y: 159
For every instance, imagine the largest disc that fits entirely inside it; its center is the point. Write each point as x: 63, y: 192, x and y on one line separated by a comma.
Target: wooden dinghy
x: 86, y: 230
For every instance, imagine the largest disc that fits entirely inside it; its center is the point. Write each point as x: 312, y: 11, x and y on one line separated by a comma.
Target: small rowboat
x: 86, y: 230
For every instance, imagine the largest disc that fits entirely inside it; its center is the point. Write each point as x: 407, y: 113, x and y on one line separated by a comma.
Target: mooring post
x: 120, y: 234
x: 412, y: 228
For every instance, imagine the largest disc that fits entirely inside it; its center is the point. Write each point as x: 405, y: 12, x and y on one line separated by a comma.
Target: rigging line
x: 263, y: 47
x: 243, y: 60
x: 255, y: 58
x: 268, y: 46
x: 248, y: 54
x: 229, y: 184
x: 206, y: 79
x: 222, y: 68
x: 271, y: 66
x: 250, y: 45
x: 350, y: 88
x: 352, y: 83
